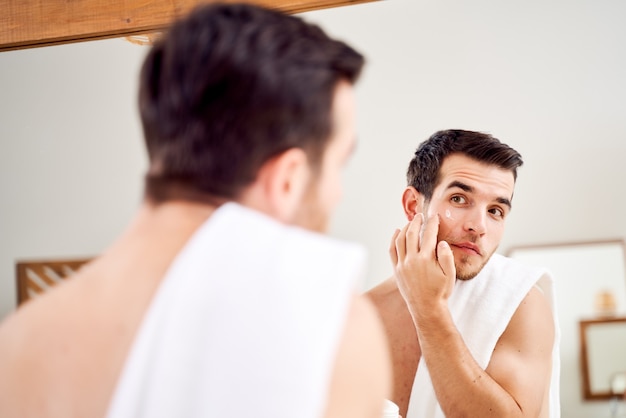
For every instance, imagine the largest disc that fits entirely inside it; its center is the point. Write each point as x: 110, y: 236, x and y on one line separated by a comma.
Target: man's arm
x: 361, y: 378
x: 518, y: 374
x: 517, y: 377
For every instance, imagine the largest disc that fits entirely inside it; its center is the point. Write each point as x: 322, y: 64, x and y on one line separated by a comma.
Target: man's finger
x: 413, y: 233
x: 428, y: 241
x: 446, y: 259
x: 401, y: 242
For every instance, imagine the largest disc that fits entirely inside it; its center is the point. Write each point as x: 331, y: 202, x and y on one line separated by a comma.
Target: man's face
x: 473, y: 200
x: 325, y: 189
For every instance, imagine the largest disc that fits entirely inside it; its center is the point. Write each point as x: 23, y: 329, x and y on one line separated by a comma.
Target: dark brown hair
x: 423, y: 172
x: 229, y: 87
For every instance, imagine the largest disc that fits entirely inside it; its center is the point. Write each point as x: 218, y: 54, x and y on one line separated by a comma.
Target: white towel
x: 246, y: 323
x: 481, y: 309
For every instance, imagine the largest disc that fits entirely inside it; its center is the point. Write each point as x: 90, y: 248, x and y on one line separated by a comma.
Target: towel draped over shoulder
x: 246, y: 323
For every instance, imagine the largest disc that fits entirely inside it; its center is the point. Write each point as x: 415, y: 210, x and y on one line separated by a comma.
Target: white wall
x: 545, y: 77
x: 71, y: 155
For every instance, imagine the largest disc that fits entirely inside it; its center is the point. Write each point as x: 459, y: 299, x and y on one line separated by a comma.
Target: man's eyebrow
x: 469, y: 189
x: 465, y: 187
x: 504, y: 201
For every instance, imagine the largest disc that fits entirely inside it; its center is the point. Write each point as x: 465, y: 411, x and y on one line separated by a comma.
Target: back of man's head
x: 228, y: 88
x: 424, y: 168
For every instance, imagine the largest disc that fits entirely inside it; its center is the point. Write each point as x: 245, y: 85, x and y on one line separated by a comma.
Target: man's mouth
x: 468, y: 247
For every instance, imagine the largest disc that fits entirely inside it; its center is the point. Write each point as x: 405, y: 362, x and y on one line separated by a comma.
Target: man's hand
x: 424, y: 269
x: 516, y: 381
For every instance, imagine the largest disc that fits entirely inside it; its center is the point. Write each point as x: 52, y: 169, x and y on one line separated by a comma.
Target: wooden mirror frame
x: 36, y: 23
x: 588, y: 393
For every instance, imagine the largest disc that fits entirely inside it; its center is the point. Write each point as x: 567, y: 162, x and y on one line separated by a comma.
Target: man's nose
x: 476, y: 221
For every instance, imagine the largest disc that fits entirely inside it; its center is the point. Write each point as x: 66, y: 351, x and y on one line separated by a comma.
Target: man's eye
x: 498, y: 212
x: 457, y: 199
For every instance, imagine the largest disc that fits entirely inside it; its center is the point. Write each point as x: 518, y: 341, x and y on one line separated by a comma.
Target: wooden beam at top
x: 35, y: 23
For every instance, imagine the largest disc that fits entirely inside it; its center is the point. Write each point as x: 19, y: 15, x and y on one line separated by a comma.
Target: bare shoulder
x: 532, y: 320
x: 386, y: 298
x: 396, y: 320
x: 36, y: 320
x: 381, y: 291
x: 47, y: 352
x: 362, y: 375
x: 402, y: 337
x: 398, y: 325
x: 31, y: 340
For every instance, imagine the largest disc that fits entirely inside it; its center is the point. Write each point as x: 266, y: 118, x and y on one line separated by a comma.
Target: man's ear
x: 284, y: 180
x: 412, y: 202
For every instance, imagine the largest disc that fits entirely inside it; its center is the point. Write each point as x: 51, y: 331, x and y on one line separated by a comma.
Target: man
x: 472, y: 333
x: 213, y: 302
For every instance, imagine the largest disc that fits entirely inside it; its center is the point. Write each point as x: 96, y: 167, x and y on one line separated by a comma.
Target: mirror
x: 603, y: 357
x: 545, y: 77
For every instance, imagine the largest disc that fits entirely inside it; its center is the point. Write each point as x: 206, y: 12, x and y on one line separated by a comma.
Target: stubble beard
x: 464, y: 270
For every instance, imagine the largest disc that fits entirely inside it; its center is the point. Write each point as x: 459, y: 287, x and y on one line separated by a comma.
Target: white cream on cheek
x: 452, y: 213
